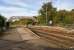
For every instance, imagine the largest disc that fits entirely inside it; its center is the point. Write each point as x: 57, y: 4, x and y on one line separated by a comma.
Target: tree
x: 64, y: 17
x: 46, y: 13
x: 60, y: 16
x: 2, y: 22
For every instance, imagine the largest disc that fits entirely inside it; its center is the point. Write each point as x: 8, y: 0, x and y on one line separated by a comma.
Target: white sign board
x: 50, y: 22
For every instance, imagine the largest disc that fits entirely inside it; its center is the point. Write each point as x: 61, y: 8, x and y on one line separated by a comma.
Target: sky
x: 10, y: 8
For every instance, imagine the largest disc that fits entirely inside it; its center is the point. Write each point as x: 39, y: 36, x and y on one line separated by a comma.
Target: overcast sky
x: 10, y: 8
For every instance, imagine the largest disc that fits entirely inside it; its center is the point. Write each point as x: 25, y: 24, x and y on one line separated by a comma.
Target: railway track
x: 58, y: 39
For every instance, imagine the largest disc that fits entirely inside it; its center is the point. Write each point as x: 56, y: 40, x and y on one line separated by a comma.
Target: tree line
x: 60, y: 17
x: 46, y: 14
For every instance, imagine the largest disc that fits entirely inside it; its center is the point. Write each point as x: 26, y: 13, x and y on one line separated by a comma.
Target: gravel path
x: 22, y: 39
x: 23, y: 45
x: 20, y: 34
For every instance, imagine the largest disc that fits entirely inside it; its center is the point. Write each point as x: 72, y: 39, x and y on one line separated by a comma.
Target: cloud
x: 10, y: 8
x: 29, y: 7
x: 64, y: 4
x: 14, y: 11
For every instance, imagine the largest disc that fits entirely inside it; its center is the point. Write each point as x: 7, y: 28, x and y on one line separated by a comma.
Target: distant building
x: 16, y: 18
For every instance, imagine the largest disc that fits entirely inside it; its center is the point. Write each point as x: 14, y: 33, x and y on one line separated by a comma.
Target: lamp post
x: 45, y: 1
x: 46, y: 13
